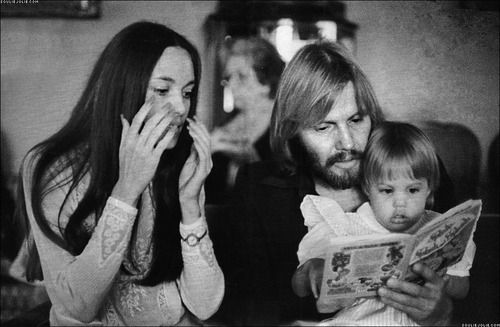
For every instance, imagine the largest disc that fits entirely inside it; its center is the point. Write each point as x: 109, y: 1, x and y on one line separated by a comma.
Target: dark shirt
x: 266, y: 228
x: 217, y: 189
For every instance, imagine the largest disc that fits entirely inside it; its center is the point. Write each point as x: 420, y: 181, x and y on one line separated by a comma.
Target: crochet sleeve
x: 78, y: 285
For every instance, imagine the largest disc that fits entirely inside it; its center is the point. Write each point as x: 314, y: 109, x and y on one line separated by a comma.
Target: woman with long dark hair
x: 114, y: 200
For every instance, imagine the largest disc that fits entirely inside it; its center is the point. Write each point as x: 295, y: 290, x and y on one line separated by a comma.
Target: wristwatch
x: 192, y: 239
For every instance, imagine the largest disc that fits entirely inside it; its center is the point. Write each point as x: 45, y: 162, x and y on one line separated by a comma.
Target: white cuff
x: 189, y: 227
x: 123, y: 205
x: 457, y: 272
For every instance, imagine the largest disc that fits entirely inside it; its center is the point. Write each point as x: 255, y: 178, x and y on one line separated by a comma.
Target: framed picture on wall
x: 89, y: 9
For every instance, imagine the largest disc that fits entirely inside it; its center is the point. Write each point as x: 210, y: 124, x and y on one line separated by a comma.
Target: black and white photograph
x: 195, y: 162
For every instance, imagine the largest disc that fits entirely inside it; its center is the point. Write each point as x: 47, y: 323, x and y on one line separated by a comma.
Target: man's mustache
x: 344, y: 156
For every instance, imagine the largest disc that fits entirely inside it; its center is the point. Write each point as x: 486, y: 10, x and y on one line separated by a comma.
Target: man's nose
x: 345, y: 141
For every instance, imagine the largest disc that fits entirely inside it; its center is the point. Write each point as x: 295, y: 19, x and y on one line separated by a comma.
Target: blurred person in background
x: 252, y: 71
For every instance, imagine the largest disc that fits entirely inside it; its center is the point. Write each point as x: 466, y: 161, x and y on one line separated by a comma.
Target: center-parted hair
x: 89, y: 144
x: 309, y: 87
x: 397, y: 149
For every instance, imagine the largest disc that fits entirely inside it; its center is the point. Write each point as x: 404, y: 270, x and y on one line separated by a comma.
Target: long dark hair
x: 89, y: 144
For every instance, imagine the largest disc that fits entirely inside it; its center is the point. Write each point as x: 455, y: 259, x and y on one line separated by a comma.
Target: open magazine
x: 356, y: 266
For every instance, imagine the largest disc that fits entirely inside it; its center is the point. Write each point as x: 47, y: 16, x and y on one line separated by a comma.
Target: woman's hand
x: 141, y: 147
x: 427, y: 305
x: 194, y: 173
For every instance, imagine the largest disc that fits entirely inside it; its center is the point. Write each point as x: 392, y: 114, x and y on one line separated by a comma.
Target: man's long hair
x: 309, y: 87
x: 89, y: 144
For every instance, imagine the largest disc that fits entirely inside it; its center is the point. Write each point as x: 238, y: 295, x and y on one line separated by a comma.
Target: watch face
x: 191, y: 239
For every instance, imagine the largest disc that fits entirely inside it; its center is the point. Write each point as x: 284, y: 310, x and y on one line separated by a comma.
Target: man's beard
x: 343, y: 179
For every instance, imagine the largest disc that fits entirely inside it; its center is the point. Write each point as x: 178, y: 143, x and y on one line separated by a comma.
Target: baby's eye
x: 414, y: 190
x: 385, y: 190
x: 161, y: 92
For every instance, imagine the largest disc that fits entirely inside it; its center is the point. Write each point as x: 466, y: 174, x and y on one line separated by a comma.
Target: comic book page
x: 358, y: 266
x: 442, y: 242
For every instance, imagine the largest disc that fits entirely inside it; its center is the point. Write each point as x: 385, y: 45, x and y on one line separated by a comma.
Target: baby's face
x: 399, y: 203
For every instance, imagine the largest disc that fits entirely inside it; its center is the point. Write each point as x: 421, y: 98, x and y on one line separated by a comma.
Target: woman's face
x: 242, y: 80
x: 171, y: 84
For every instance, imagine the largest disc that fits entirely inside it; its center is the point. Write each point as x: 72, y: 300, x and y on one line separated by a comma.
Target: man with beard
x: 324, y: 112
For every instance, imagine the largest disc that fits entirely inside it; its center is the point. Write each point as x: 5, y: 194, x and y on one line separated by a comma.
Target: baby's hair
x: 399, y: 149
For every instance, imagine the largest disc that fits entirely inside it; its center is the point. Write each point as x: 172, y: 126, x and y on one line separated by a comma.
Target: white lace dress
x: 325, y: 218
x: 91, y: 289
